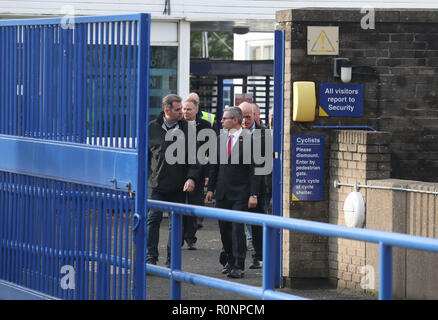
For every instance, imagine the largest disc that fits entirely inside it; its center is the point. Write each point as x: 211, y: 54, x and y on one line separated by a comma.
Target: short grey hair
x: 169, y: 100
x: 194, y: 102
x: 235, y: 112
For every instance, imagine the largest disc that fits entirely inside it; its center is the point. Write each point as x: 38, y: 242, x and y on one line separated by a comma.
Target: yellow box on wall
x: 304, y: 101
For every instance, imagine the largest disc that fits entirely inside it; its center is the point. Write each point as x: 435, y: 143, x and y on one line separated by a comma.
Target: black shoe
x: 226, y: 269
x: 191, y: 246
x: 223, y: 258
x: 236, y: 274
x: 255, y: 264
x: 151, y: 261
x: 168, y: 262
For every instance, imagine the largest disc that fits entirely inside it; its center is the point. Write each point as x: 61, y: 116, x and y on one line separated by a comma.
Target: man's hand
x: 189, y: 186
x: 252, y: 202
x: 208, y: 197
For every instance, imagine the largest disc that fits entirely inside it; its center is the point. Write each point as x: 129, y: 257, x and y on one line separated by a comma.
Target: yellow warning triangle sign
x: 323, y: 43
x: 294, y: 198
x: 322, y: 112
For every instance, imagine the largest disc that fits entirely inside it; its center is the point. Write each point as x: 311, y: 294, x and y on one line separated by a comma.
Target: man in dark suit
x: 168, y: 182
x: 249, y: 112
x: 236, y: 187
x: 196, y: 197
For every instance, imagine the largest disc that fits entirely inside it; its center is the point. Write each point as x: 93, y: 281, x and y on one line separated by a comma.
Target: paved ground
x: 204, y: 261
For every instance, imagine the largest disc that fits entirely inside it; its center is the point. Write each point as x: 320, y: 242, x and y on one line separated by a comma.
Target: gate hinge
x: 122, y: 185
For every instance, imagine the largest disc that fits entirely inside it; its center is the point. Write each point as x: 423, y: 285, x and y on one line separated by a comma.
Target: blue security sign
x: 340, y: 100
x: 308, y: 168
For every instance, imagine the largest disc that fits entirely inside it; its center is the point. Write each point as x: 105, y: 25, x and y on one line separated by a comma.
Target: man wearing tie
x: 236, y: 187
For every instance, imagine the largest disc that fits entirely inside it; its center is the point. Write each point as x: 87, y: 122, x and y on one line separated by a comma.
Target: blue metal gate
x: 73, y: 103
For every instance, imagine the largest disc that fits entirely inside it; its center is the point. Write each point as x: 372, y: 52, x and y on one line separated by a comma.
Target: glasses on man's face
x: 247, y: 117
x: 226, y: 118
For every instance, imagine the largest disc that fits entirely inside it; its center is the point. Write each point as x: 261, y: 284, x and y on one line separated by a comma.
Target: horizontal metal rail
x: 386, y: 241
x: 357, y: 186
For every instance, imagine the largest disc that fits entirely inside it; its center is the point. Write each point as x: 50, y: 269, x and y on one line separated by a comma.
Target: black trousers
x: 257, y: 231
x: 233, y: 234
x: 191, y: 222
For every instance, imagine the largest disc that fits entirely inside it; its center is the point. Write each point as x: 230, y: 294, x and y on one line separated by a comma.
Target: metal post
x: 269, y: 263
x: 175, y: 255
x: 142, y: 134
x: 385, y: 272
x: 277, y: 175
x: 220, y: 101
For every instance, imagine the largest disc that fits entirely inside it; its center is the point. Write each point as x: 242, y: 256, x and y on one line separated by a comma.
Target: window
x: 163, y: 76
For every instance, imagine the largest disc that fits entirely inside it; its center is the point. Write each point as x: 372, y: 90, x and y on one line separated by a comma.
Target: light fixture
x: 240, y: 30
x: 342, y: 69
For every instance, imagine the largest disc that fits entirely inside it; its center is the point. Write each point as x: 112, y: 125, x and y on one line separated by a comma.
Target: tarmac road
x: 205, y: 261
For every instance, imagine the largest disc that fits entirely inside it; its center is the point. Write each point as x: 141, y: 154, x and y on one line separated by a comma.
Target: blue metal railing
x: 386, y: 241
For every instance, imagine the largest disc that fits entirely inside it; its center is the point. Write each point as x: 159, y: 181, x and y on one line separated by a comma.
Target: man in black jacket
x: 249, y: 112
x: 196, y: 197
x: 236, y: 187
x: 168, y: 182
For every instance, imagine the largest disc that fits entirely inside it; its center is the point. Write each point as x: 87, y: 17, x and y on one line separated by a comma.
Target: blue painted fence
x: 73, y: 110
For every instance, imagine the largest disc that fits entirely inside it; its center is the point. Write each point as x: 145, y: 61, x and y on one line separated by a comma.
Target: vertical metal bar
x: 136, y: 79
x: 77, y: 234
x: 101, y: 91
x: 111, y: 90
x: 122, y: 270
x: 123, y: 85
x: 116, y: 269
x: 220, y: 100
x: 8, y: 206
x: 93, y: 246
x: 96, y: 87
x: 175, y: 256
x: 3, y: 224
x: 129, y: 212
x: 50, y: 68
x: 2, y: 83
x: 129, y: 95
x: 105, y: 63
x: 53, y: 233
x: 13, y: 238
x: 76, y: 91
x: 84, y: 62
x: 109, y: 247
x: 277, y: 175
x: 267, y: 97
x: 20, y: 81
x: 8, y: 81
x: 142, y: 136
x: 14, y: 82
x: 86, y: 199
x: 39, y: 84
x: 44, y: 236
x: 385, y: 272
x: 118, y: 84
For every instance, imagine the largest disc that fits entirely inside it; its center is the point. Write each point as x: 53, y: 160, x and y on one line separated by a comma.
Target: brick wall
x: 397, y: 63
x: 355, y: 156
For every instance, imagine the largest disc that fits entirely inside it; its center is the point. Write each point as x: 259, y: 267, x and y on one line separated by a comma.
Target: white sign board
x: 323, y: 40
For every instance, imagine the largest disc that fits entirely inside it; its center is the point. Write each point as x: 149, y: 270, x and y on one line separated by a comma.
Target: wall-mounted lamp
x: 342, y: 69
